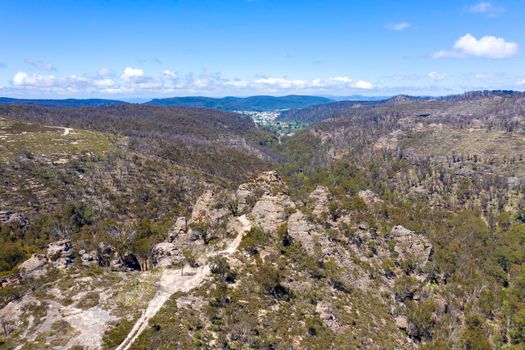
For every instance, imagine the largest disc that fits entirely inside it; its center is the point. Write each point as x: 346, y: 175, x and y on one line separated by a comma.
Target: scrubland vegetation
x: 450, y: 170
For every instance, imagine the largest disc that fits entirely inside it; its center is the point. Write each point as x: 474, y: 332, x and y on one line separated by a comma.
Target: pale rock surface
x: 205, y: 209
x: 409, y: 244
x: 369, y: 197
x: 165, y: 254
x: 401, y: 322
x: 180, y: 228
x: 266, y: 183
x: 270, y: 211
x: 34, y: 267
x: 320, y: 198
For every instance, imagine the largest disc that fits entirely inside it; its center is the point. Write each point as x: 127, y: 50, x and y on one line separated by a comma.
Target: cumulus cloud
x: 132, y: 81
x: 130, y: 73
x: 487, y: 47
x: 41, y: 65
x: 338, y: 82
x: 436, y: 76
x: 398, y: 26
x: 521, y: 82
x: 487, y: 8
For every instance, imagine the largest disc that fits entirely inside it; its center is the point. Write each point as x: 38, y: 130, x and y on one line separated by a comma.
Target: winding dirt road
x: 172, y: 281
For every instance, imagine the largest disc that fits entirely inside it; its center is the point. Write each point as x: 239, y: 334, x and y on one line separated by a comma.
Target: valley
x: 392, y: 224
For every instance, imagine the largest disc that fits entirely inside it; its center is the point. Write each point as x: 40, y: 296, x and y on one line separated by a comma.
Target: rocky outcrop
x: 301, y: 230
x: 35, y: 266
x: 270, y: 211
x: 389, y: 142
x: 409, y: 245
x: 180, y: 228
x: 248, y: 193
x: 319, y: 200
x: 211, y: 207
x: 369, y: 197
x: 165, y: 254
x: 60, y: 253
x: 14, y: 219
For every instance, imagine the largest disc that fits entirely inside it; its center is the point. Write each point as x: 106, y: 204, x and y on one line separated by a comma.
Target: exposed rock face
x: 300, y: 229
x: 180, y: 228
x: 401, y: 322
x: 14, y: 219
x: 411, y: 245
x: 369, y: 197
x: 165, y: 254
x: 270, y: 211
x: 208, y: 207
x: 327, y: 314
x: 320, y: 198
x: 34, y: 267
x: 247, y: 193
x: 89, y: 258
x: 389, y: 142
x: 60, y: 253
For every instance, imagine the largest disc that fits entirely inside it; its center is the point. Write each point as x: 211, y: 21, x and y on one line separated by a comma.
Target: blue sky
x: 126, y: 49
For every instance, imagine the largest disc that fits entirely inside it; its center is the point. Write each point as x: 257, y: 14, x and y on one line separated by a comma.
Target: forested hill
x: 70, y: 102
x: 252, y: 103
x: 190, y: 137
x: 475, y: 102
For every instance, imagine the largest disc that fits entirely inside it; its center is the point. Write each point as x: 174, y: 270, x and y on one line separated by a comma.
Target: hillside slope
x: 399, y: 225
x: 252, y: 103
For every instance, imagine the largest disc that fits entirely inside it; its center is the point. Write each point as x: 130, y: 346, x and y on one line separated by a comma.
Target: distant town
x: 268, y: 119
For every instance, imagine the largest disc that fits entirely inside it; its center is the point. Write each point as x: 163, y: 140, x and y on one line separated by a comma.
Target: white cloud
x: 282, y: 82
x: 41, y: 65
x: 486, y: 47
x: 486, y: 7
x: 169, y: 74
x: 237, y: 83
x: 364, y: 85
x: 130, y: 73
x: 339, y: 82
x: 436, y: 76
x: 399, y: 26
x: 25, y: 79
x: 522, y: 82
x: 105, y: 83
x: 133, y: 82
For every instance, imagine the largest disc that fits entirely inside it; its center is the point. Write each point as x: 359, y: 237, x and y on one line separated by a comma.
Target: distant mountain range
x: 229, y: 103
x: 314, y: 105
x: 252, y: 103
x: 358, y: 98
x: 70, y: 102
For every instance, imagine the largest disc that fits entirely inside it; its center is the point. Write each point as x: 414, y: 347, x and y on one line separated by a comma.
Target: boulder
x: 401, y: 322
x: 34, y: 266
x: 88, y: 258
x: 165, y: 254
x: 60, y: 253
